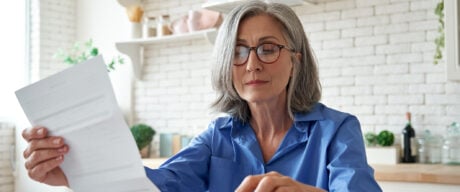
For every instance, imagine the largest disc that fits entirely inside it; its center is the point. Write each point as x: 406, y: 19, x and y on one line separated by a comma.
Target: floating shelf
x: 134, y: 49
x: 128, y: 3
x: 227, y: 6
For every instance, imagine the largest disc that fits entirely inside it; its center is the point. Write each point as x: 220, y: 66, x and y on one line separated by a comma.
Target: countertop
x: 153, y: 162
x: 422, y: 173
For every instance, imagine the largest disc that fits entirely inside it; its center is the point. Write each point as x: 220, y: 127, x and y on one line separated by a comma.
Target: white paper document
x: 79, y: 105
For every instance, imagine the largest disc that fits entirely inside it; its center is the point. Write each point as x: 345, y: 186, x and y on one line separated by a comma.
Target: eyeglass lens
x: 266, y: 53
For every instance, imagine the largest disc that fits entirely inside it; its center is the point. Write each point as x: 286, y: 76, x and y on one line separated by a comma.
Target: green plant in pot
x: 384, y: 138
x: 143, y: 134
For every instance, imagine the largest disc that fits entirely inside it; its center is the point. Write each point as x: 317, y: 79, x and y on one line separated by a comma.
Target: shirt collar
x: 301, y: 120
x: 313, y: 115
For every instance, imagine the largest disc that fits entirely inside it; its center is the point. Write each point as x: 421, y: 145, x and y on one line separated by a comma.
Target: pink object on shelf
x: 196, y: 21
x: 179, y: 26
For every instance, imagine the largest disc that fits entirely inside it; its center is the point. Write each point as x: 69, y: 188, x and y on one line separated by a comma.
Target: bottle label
x: 413, y: 147
x: 401, y: 152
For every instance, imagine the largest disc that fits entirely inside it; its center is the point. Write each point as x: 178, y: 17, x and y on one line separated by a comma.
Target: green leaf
x: 80, y: 52
x: 69, y: 60
x: 439, y: 8
x: 439, y: 41
x: 121, y: 60
x: 385, y: 138
x: 94, y: 52
x: 370, y: 138
x: 110, y: 65
x: 89, y: 43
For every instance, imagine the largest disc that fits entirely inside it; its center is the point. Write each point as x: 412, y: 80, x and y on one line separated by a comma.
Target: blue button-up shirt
x: 323, y: 148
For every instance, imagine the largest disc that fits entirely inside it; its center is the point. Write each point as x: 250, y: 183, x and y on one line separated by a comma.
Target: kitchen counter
x: 421, y: 173
x: 153, y: 162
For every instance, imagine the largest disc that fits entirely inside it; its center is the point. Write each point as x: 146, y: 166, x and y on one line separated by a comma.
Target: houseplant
x: 143, y: 134
x: 380, y: 148
x: 82, y: 51
x: 385, y: 138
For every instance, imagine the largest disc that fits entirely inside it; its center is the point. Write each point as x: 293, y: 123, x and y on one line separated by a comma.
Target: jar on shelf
x: 451, y: 146
x: 434, y: 149
x: 451, y: 151
x: 163, y: 26
x: 421, y: 150
x: 149, y: 27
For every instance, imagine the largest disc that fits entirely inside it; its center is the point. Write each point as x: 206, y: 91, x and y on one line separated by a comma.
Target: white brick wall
x: 402, y: 77
x: 52, y: 28
x: 375, y: 61
x: 6, y: 173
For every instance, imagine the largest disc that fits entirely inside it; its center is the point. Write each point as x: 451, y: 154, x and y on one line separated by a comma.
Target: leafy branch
x: 439, y: 41
x: 83, y: 51
x: 384, y: 138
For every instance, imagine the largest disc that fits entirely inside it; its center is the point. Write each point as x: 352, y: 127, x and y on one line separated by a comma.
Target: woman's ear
x: 299, y: 56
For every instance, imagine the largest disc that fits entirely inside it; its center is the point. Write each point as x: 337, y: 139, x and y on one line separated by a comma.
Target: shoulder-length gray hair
x: 304, y: 88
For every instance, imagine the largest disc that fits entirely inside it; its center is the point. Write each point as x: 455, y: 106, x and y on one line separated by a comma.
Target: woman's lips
x: 255, y: 82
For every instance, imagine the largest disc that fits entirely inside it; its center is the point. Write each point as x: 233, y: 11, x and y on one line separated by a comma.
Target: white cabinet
x: 452, y: 39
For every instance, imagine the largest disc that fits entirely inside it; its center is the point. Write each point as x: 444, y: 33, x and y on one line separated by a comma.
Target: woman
x: 277, y: 136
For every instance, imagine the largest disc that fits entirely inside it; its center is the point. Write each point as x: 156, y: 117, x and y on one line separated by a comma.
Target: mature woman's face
x: 257, y: 81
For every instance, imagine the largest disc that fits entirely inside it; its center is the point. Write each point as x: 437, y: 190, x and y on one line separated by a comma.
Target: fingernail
x: 40, y: 131
x: 62, y: 150
x: 56, y: 141
x: 59, y: 158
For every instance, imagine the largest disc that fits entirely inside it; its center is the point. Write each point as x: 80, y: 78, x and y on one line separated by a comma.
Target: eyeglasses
x: 267, y: 53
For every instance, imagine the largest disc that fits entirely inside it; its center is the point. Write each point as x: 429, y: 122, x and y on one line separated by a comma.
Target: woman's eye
x: 267, y: 49
x: 240, y: 51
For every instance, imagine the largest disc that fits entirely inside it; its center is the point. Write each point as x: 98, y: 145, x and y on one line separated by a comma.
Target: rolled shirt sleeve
x: 348, y: 168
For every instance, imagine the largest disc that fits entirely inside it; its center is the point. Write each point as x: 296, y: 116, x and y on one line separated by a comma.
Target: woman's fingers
x: 41, y: 171
x: 253, y: 182
x: 249, y: 183
x: 39, y: 156
x: 273, y: 182
x: 44, y: 155
x: 44, y: 143
x: 34, y: 133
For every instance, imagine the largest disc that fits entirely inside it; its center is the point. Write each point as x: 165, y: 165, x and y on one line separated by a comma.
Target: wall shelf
x: 134, y: 49
x: 226, y: 6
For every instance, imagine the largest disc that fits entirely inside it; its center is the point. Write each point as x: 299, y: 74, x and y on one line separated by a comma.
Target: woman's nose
x: 253, y: 63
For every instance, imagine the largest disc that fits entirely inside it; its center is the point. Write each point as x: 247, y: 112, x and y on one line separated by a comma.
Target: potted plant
x: 83, y: 51
x: 143, y: 134
x: 380, y: 149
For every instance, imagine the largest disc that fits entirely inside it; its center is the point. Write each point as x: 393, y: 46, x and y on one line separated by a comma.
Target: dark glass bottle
x: 408, y: 146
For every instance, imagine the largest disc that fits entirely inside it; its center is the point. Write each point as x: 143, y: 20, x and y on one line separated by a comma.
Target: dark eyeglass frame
x: 257, y: 53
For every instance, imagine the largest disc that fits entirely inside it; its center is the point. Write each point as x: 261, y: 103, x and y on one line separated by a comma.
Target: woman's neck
x: 269, y: 119
x: 270, y: 122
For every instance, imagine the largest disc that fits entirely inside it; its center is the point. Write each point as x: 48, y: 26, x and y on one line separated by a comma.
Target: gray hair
x: 304, y: 88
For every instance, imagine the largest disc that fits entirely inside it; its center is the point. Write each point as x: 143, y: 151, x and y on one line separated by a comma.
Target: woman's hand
x: 44, y: 155
x: 273, y: 181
